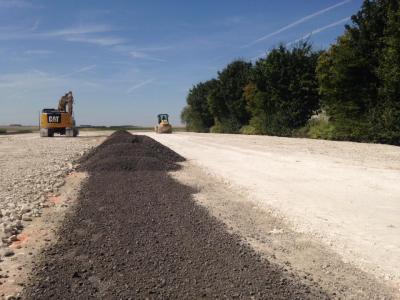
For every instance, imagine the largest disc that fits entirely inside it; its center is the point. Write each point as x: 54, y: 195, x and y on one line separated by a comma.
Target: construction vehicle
x: 59, y: 120
x: 163, y: 125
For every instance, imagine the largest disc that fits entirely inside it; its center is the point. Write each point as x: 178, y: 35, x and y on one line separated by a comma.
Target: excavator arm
x: 62, y: 104
x: 66, y: 103
x: 70, y: 103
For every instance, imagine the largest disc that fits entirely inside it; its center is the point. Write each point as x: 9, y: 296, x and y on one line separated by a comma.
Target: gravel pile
x: 31, y: 169
x: 136, y: 233
x: 126, y: 152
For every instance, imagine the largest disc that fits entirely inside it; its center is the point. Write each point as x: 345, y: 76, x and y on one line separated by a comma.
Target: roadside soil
x: 137, y: 233
x: 341, y: 193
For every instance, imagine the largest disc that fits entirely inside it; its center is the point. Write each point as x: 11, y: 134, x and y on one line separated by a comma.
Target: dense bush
x: 197, y: 114
x: 248, y: 129
x: 316, y: 128
x: 359, y: 76
x: 283, y: 94
x: 226, y: 101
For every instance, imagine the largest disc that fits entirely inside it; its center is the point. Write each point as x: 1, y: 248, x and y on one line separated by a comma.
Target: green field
x: 17, y: 129
x: 123, y: 127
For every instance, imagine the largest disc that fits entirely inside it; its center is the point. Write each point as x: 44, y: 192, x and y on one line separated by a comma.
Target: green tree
x: 284, y: 90
x: 346, y: 87
x: 226, y: 102
x: 357, y: 76
x: 386, y: 115
x: 197, y: 115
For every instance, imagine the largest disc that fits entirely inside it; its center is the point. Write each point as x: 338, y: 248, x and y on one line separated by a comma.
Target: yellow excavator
x: 59, y: 120
x: 163, y: 125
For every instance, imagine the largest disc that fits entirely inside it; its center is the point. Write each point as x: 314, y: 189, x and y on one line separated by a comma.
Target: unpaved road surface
x: 241, y: 216
x: 346, y: 194
x: 136, y: 233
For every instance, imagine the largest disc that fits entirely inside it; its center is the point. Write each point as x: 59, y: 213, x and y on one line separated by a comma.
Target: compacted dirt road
x: 346, y: 194
x: 137, y: 233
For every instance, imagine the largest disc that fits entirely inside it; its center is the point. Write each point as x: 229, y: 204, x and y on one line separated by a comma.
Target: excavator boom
x: 66, y: 103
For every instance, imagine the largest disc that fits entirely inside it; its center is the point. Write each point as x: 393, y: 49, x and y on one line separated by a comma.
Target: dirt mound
x: 122, y: 137
x: 125, y: 152
x: 140, y: 235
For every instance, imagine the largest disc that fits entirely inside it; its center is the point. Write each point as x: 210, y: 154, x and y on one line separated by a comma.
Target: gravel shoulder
x: 36, y: 236
x: 33, y: 172
x: 343, y: 194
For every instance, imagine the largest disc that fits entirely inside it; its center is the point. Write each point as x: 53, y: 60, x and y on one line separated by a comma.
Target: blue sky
x: 126, y: 61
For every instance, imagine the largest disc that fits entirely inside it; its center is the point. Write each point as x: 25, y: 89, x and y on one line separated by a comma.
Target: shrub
x: 249, y: 130
x: 321, y: 129
x: 317, y: 128
x: 217, y: 128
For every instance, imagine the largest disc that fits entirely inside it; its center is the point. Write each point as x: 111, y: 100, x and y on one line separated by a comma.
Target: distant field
x: 17, y: 129
x: 130, y: 128
x: 102, y: 128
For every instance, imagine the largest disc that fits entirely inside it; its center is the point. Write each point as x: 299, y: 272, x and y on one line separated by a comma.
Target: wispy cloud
x: 308, y: 35
x: 139, y: 85
x: 37, y: 82
x: 100, y: 41
x: 38, y: 52
x: 155, y: 48
x: 30, y: 79
x: 262, y: 54
x: 145, y: 56
x: 298, y: 22
x: 80, y: 70
x: 78, y: 30
x: 13, y: 32
x: 318, y: 30
x: 91, y: 34
x: 150, y: 53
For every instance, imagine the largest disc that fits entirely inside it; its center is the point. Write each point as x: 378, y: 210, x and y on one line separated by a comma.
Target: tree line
x: 350, y: 91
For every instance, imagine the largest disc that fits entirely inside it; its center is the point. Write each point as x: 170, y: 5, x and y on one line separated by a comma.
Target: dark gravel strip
x: 136, y: 233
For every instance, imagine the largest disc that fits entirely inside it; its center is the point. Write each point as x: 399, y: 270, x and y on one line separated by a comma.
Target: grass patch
x: 125, y: 127
x: 18, y: 129
x: 113, y: 128
x: 248, y: 130
x: 316, y: 129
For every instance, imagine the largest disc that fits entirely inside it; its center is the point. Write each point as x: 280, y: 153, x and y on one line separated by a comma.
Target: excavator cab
x: 163, y: 118
x: 163, y: 125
